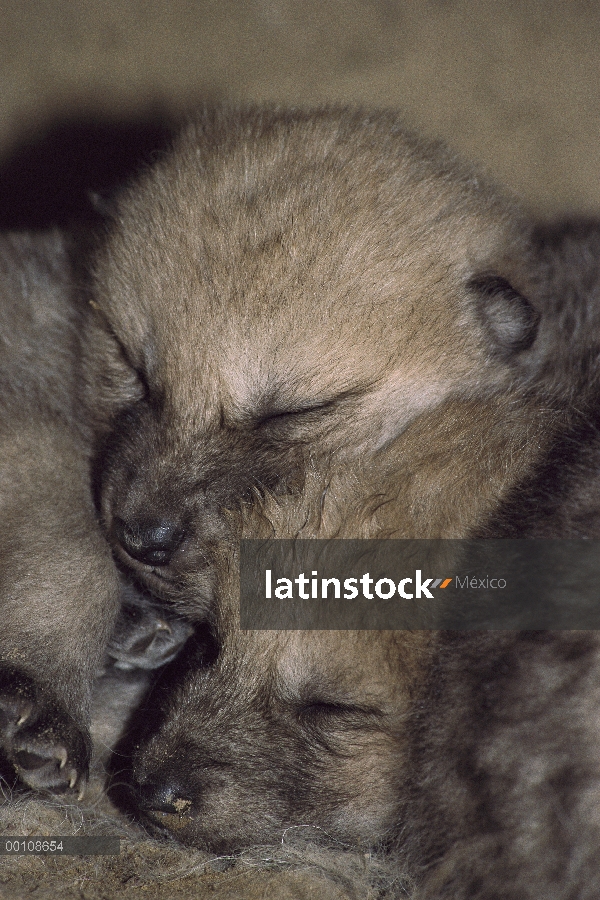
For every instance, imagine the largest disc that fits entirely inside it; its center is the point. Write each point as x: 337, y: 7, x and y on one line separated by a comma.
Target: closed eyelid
x: 337, y: 708
x: 274, y: 414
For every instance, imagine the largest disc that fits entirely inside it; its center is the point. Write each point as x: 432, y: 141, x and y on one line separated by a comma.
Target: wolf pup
x: 59, y: 589
x: 58, y: 585
x: 561, y: 498
x: 312, y: 325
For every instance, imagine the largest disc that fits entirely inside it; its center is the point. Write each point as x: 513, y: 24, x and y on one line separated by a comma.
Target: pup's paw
x: 47, y: 750
x: 146, y: 635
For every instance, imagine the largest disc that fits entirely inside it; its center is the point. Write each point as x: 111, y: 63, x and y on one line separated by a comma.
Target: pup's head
x: 285, y: 293
x: 279, y: 729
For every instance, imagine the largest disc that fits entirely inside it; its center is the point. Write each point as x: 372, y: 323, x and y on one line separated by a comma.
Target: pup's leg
x: 59, y: 597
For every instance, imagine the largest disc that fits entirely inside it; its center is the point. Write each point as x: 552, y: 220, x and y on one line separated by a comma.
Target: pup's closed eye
x: 331, y: 714
x: 273, y: 414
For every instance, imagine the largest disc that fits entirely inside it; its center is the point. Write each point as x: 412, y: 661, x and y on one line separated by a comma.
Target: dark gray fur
x: 58, y: 585
x: 59, y: 590
x: 504, y: 796
x: 562, y: 497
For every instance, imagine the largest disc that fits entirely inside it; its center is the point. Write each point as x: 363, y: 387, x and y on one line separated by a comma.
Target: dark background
x: 514, y: 85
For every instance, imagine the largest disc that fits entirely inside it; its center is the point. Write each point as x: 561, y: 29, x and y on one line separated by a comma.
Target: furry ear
x: 103, y: 204
x: 509, y: 319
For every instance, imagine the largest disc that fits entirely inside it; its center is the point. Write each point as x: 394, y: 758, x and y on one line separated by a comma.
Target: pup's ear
x: 103, y: 204
x: 509, y: 319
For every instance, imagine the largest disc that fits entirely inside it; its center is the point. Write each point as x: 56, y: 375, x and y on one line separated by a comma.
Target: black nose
x: 153, y: 543
x: 167, y: 798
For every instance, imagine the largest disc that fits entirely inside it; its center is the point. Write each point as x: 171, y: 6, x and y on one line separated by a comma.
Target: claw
x: 25, y: 715
x: 39, y: 739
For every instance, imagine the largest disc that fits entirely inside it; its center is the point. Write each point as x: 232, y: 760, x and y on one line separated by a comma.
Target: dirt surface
x: 513, y: 85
